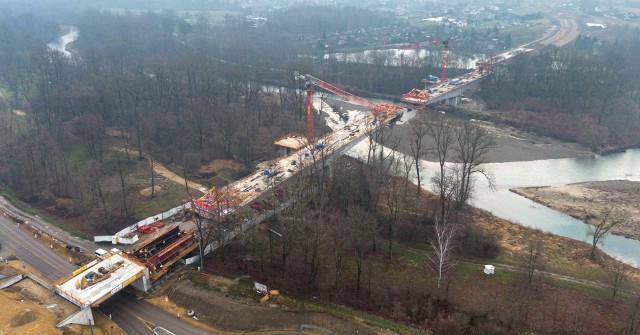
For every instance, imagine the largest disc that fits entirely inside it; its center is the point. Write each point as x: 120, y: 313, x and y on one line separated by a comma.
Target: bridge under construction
x: 112, y: 271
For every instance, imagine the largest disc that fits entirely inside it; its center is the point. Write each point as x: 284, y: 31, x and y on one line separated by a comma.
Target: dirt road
x: 163, y: 171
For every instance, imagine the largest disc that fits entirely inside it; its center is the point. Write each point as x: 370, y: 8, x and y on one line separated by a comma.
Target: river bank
x: 512, y: 144
x: 586, y: 201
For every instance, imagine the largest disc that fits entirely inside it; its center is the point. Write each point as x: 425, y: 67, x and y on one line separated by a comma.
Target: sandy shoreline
x: 589, y: 199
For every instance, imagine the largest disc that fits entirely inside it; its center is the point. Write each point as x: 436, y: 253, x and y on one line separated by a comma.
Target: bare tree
x: 442, y: 244
x: 125, y: 210
x: 418, y: 132
x: 153, y: 191
x: 407, y: 161
x: 392, y: 196
x: 473, y: 145
x: 359, y: 222
x: 618, y: 273
x: 204, y: 231
x: 533, y: 257
x: 599, y: 226
x: 338, y: 232
x: 446, y: 183
x: 633, y: 325
x: 442, y: 133
x: 379, y: 163
x: 90, y: 129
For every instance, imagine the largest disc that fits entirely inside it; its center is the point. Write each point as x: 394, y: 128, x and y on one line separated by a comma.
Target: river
x: 508, y: 205
x: 60, y: 44
x: 552, y: 172
x: 403, y: 57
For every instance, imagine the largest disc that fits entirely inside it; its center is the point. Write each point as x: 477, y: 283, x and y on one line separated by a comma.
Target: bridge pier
x: 143, y: 284
x: 82, y: 317
x: 452, y: 101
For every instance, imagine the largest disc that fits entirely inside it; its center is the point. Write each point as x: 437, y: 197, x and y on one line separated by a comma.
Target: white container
x: 489, y: 269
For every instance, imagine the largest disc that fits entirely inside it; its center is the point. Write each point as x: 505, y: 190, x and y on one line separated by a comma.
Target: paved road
x: 46, y: 227
x: 126, y: 310
x: 139, y: 317
x: 23, y: 245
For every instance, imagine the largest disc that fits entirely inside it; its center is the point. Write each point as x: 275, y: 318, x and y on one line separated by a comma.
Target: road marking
x: 147, y: 324
x: 162, y: 331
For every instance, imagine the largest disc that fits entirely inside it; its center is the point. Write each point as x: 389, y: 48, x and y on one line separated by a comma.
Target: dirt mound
x: 147, y: 191
x: 218, y: 164
x: 23, y: 318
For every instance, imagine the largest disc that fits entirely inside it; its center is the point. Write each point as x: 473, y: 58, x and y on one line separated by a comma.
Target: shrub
x: 478, y: 243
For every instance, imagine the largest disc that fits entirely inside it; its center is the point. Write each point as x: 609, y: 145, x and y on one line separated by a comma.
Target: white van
x: 101, y: 252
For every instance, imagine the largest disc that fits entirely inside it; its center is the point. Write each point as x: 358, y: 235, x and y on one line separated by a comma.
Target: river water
x: 60, y: 44
x: 510, y: 206
x: 402, y: 57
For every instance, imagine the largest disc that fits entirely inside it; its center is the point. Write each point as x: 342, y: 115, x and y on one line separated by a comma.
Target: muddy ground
x: 511, y: 144
x: 588, y: 201
x: 29, y: 309
x: 223, y: 313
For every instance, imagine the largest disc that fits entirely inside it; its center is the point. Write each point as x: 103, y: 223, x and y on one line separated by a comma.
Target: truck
x: 101, y: 252
x: 431, y: 79
x: 454, y: 82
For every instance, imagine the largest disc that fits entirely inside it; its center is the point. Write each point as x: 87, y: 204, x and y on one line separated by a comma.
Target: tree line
x: 587, y: 92
x: 184, y: 91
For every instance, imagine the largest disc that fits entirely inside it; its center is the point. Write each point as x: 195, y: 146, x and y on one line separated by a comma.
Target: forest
x: 586, y: 93
x: 188, y: 90
x: 79, y: 137
x: 185, y: 93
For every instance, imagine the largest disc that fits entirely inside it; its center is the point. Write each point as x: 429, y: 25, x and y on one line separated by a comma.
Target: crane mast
x: 445, y: 56
x: 309, y: 112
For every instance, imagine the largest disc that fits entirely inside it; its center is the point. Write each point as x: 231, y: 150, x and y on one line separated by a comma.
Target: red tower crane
x: 309, y: 112
x: 311, y: 80
x: 445, y: 56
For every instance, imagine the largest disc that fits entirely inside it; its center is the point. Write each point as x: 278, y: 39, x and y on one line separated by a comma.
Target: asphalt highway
x: 21, y: 243
x: 135, y: 317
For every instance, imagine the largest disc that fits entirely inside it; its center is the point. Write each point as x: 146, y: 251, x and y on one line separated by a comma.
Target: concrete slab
x: 8, y: 282
x: 122, y: 272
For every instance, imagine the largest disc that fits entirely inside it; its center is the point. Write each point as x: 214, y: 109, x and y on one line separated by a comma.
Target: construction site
x: 163, y: 246
x: 155, y: 256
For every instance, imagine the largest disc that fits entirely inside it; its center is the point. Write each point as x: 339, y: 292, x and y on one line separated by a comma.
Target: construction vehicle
x: 421, y: 96
x: 445, y: 57
x: 431, y: 79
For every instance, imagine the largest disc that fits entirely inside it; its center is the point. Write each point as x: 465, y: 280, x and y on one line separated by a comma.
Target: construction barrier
x: 107, y: 238
x: 190, y: 260
x: 152, y: 219
x: 115, y: 239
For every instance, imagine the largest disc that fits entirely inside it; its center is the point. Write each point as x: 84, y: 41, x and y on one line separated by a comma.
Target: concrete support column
x: 82, y: 317
x: 143, y: 283
x: 10, y: 281
x: 452, y: 101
